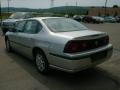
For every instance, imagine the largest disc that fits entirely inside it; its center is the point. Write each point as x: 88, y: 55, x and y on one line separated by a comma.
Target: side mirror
x: 13, y: 27
x: 12, y: 30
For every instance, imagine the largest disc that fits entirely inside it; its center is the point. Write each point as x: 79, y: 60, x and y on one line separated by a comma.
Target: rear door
x: 26, y: 38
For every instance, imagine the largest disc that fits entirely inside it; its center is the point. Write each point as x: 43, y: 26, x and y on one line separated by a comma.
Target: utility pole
x: 76, y: 3
x: 52, y: 3
x: 8, y: 6
x: 106, y: 7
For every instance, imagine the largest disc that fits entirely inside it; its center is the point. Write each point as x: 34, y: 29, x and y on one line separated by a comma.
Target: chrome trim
x: 82, y: 55
x: 109, y: 46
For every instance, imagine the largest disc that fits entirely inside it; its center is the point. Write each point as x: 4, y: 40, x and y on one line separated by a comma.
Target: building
x: 101, y: 11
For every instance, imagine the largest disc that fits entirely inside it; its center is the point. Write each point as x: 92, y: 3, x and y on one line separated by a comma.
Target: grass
x: 5, y: 15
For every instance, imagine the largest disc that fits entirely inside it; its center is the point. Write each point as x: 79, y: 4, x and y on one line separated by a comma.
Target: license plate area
x: 99, y: 56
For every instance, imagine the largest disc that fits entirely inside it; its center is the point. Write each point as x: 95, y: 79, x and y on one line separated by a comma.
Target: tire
x: 41, y: 62
x: 8, y: 47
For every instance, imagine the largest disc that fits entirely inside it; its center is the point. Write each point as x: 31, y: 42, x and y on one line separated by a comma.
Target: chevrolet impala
x: 58, y: 42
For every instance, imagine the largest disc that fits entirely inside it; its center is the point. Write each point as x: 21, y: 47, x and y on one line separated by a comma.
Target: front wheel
x: 41, y: 62
x: 8, y: 47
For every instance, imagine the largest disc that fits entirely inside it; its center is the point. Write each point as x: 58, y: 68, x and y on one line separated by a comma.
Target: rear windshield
x: 63, y: 25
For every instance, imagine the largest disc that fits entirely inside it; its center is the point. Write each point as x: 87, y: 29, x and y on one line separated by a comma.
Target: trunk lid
x: 85, y: 40
x: 81, y: 35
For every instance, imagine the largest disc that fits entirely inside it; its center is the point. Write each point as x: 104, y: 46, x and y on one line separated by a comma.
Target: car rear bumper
x: 78, y: 62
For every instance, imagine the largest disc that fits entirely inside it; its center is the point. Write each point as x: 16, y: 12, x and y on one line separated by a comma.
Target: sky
x: 47, y: 3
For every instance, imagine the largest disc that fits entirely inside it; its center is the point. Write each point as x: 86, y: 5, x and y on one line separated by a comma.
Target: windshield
x: 18, y: 15
x: 63, y: 25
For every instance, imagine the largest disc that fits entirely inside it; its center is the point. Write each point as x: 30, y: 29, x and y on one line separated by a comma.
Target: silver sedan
x: 57, y: 42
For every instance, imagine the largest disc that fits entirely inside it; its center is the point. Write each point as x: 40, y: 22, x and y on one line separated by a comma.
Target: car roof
x: 38, y: 18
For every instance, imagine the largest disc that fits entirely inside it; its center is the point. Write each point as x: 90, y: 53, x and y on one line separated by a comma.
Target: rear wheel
x: 41, y: 62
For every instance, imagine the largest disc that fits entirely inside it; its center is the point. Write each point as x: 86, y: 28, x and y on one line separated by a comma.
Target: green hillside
x: 58, y: 10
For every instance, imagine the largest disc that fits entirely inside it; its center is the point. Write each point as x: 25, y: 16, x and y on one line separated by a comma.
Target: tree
x: 92, y: 6
x: 115, y: 6
x: 87, y: 12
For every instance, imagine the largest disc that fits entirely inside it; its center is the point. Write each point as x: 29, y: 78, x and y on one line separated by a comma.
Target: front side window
x: 63, y: 25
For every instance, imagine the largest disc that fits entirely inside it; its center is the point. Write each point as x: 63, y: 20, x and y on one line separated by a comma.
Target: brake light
x: 74, y: 46
x: 71, y: 47
x: 106, y: 40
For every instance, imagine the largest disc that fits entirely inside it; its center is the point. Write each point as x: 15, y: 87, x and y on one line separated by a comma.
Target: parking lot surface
x: 19, y: 73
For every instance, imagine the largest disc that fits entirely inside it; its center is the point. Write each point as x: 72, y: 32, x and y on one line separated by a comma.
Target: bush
x: 5, y: 15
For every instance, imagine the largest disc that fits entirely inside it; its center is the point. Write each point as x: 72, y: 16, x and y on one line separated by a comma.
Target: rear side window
x: 32, y: 27
x: 20, y: 26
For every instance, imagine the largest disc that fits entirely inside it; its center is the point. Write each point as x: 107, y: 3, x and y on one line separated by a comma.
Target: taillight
x: 71, y: 47
x: 106, y: 39
x: 75, y: 46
